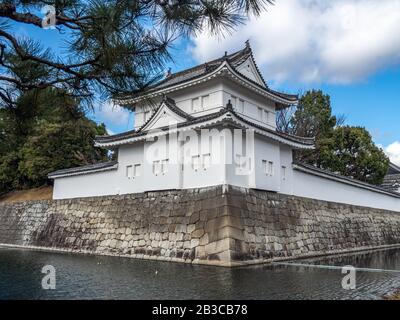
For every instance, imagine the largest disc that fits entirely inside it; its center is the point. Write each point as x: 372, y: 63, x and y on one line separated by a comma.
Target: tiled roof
x: 391, y: 182
x: 344, y: 178
x: 228, y: 108
x: 140, y: 132
x: 234, y: 60
x: 83, y: 169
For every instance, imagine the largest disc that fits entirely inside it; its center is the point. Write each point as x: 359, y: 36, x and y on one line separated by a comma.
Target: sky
x: 348, y: 48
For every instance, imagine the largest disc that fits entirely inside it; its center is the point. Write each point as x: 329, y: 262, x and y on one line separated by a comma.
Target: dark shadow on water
x: 101, y: 277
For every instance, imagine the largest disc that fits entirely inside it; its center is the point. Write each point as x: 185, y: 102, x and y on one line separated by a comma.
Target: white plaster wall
x: 286, y: 159
x: 251, y: 105
x: 219, y: 92
x: 183, y: 99
x: 212, y: 89
x: 310, y: 186
x: 214, y: 174
x: 237, y: 173
x: 181, y: 174
x: 266, y: 149
x: 94, y: 184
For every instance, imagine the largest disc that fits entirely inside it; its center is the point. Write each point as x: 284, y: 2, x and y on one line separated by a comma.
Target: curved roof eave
x: 278, y: 97
x: 225, y: 115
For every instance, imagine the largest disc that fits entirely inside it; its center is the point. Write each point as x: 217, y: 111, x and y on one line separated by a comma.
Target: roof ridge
x: 204, y: 64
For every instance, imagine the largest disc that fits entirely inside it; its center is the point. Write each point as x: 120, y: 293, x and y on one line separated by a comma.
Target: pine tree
x: 114, y: 47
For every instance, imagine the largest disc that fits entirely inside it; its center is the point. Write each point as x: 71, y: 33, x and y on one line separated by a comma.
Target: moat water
x: 101, y: 277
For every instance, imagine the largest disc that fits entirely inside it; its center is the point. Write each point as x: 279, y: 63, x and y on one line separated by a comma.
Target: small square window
x: 233, y: 101
x: 156, y: 167
x: 266, y: 116
x: 129, y: 172
x: 164, y: 166
x: 196, y: 163
x: 268, y: 167
x: 241, y: 105
x: 195, y: 104
x: 260, y: 113
x: 206, y: 161
x: 204, y: 102
x: 265, y: 166
x: 241, y: 161
x: 283, y: 173
x: 137, y: 170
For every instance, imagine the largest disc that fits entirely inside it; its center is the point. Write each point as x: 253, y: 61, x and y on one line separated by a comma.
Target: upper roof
x: 176, y: 81
x: 226, y: 115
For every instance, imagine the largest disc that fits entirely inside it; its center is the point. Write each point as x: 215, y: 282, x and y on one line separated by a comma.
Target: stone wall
x: 221, y: 225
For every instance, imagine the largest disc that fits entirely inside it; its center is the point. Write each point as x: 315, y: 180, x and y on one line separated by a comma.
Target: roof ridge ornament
x: 229, y: 106
x: 247, y: 43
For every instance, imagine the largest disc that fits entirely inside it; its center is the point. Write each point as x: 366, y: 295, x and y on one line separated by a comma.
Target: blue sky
x: 348, y: 48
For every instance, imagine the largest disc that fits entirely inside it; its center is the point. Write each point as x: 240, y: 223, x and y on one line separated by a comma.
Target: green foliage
x: 347, y: 150
x: 313, y: 117
x: 45, y: 131
x: 351, y: 151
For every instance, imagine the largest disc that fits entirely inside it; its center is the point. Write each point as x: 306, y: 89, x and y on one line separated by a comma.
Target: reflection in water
x: 100, y: 277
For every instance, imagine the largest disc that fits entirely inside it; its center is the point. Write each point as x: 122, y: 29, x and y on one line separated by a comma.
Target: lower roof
x: 301, y: 166
x: 101, y: 166
x: 391, y: 182
x: 225, y: 115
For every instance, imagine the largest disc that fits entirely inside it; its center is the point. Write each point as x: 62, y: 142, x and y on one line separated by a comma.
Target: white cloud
x: 338, y: 41
x: 113, y: 114
x: 393, y: 152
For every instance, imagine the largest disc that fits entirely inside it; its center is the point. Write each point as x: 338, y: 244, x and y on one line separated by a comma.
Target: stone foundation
x: 220, y: 225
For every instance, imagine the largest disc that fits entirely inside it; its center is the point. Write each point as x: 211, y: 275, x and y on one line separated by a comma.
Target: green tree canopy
x: 351, y: 151
x: 44, y: 131
x: 347, y: 150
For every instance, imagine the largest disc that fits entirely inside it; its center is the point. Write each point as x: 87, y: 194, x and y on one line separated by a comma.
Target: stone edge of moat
x: 333, y: 253
x: 219, y: 225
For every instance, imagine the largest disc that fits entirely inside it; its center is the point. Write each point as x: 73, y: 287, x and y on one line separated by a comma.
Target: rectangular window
x: 196, y: 163
x: 204, y: 102
x: 137, y: 170
x: 234, y: 101
x: 241, y: 105
x: 241, y: 161
x: 195, y: 104
x: 206, y: 161
x: 164, y: 166
x: 156, y: 167
x: 266, y: 116
x: 129, y: 172
x: 268, y: 167
x: 260, y: 113
x: 283, y: 173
